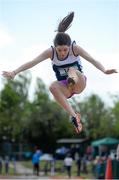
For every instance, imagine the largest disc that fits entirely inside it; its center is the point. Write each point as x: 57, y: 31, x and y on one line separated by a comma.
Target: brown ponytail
x: 61, y: 37
x: 65, y: 23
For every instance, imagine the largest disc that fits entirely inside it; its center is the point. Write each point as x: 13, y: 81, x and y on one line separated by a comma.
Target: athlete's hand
x: 111, y: 71
x: 8, y: 75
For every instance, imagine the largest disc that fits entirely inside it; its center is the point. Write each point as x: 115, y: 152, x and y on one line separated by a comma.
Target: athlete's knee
x: 53, y: 87
x: 80, y: 86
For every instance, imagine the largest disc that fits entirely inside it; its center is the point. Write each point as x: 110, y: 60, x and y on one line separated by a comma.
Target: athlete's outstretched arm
x: 44, y: 55
x: 80, y: 51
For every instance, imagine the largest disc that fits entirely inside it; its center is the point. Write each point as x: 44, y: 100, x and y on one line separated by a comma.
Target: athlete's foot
x: 76, y: 121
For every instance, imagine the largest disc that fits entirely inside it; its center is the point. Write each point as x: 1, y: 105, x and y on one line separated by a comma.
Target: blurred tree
x: 42, y: 121
x: 14, y: 98
x: 98, y: 118
x: 115, y: 112
x: 47, y: 121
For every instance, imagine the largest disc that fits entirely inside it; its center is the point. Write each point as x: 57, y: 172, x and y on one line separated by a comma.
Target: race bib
x: 63, y: 71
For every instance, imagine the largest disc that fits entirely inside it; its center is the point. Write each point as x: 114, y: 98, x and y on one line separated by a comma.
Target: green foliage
x: 98, y: 119
x: 47, y: 121
x: 42, y: 121
x: 12, y: 106
x: 115, y: 112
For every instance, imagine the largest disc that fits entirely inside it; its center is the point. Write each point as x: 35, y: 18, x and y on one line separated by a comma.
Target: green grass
x: 59, y: 169
x: 10, y: 172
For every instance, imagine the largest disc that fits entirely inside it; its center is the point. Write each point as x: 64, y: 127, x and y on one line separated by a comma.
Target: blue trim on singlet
x: 74, y: 42
x: 52, y: 53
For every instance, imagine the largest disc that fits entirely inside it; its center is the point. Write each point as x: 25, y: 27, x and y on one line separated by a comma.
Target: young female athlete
x: 66, y: 63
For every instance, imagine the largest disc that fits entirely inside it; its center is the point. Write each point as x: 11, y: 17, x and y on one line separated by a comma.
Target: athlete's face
x: 62, y: 51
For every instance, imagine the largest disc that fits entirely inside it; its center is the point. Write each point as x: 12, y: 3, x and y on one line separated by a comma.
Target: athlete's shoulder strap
x: 52, y: 53
x: 72, y: 47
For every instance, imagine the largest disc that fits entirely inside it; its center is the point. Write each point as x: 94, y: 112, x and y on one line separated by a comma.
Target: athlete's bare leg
x: 72, y: 74
x: 61, y: 93
x: 79, y: 80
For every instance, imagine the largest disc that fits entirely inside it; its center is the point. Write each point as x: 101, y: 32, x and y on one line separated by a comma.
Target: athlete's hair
x: 61, y: 37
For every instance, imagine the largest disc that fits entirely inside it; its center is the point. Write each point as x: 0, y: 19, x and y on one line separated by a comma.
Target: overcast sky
x: 27, y: 28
